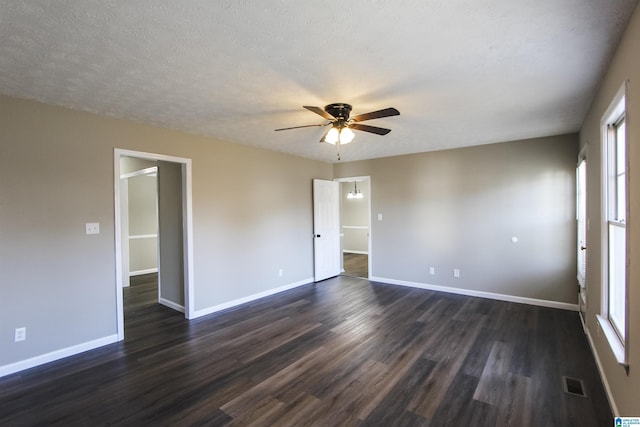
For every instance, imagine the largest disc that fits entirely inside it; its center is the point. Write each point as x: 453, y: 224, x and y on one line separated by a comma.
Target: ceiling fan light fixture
x: 332, y: 136
x: 335, y: 134
x: 342, y: 126
x: 346, y: 136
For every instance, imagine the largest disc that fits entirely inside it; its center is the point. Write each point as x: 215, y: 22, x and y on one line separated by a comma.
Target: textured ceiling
x: 461, y: 72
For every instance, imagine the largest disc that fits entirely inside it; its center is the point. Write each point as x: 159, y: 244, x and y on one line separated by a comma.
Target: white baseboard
x: 171, y: 304
x: 480, y: 294
x: 141, y: 272
x: 239, y: 301
x: 56, y: 355
x: 603, y: 377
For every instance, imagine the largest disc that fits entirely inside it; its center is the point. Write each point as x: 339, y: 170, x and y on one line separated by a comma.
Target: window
x: 613, y: 318
x: 617, y: 226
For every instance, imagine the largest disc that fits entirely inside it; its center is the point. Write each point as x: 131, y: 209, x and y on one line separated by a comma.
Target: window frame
x: 614, y: 115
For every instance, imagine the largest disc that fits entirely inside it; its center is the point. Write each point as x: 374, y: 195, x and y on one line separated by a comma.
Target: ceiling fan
x: 341, y: 124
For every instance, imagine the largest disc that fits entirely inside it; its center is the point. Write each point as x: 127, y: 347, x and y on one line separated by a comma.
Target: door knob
x: 583, y: 248
x: 317, y: 235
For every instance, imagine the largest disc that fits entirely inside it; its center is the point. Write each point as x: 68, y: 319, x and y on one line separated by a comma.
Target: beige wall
x: 252, y: 215
x: 170, y: 233
x: 625, y: 66
x: 133, y: 164
x: 143, y: 216
x: 460, y: 209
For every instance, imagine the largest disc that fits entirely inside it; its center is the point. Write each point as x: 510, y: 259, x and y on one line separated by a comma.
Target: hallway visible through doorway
x: 355, y: 217
x: 174, y: 232
x: 356, y: 265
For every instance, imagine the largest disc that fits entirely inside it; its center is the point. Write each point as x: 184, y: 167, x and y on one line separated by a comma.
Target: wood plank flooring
x: 343, y: 352
x: 356, y: 265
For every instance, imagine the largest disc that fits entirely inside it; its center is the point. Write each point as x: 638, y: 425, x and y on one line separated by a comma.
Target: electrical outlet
x: 456, y: 272
x: 280, y: 272
x: 432, y: 271
x: 21, y: 334
x: 92, y: 228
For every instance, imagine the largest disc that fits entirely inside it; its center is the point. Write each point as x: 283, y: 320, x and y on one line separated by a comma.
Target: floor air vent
x: 573, y: 386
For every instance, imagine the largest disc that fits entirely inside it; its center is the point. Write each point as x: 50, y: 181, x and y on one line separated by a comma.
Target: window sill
x: 614, y: 341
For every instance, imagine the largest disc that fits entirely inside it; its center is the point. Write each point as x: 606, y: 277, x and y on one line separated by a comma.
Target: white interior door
x: 581, y: 216
x: 326, y: 229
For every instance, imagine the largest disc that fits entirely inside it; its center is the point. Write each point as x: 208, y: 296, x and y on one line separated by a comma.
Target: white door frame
x: 369, y: 248
x: 187, y: 230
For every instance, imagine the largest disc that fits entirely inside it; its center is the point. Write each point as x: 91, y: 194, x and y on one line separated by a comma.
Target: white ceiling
x: 461, y: 73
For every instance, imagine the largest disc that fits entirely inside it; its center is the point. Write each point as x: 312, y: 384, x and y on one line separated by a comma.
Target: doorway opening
x: 355, y: 222
x: 161, y: 260
x: 138, y: 218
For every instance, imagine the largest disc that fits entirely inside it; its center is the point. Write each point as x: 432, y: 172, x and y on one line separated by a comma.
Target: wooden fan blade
x: 305, y: 126
x: 372, y: 129
x: 324, y: 136
x: 320, y: 112
x: 376, y: 115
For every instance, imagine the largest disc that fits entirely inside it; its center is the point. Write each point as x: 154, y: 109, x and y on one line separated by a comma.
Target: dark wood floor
x: 355, y: 265
x: 343, y: 352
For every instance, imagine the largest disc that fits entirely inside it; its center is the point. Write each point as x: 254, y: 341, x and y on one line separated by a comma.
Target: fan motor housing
x: 338, y: 110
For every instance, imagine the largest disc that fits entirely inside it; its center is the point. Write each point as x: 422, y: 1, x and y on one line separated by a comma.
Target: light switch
x: 92, y: 228
x: 379, y: 217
